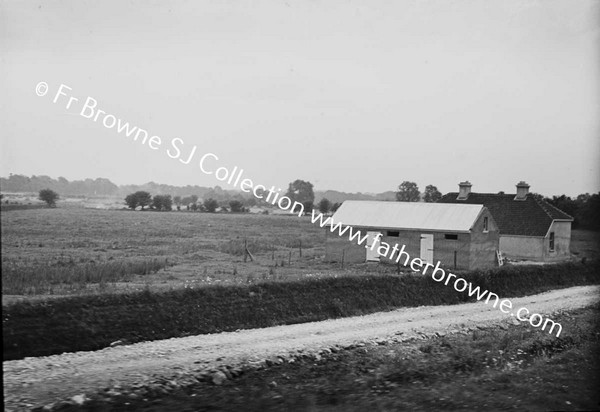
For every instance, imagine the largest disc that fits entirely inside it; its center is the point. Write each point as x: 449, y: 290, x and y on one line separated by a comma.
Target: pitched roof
x: 408, y: 215
x: 528, y: 217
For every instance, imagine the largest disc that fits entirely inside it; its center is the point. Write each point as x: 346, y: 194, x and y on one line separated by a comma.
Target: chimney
x: 464, y: 188
x: 522, y: 190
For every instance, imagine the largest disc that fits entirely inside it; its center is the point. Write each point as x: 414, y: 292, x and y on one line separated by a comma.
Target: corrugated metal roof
x: 408, y: 215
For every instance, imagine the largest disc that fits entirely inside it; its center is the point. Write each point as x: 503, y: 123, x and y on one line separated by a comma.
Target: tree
x: 140, y: 198
x: 432, y: 194
x: 536, y: 196
x: 193, y: 199
x: 144, y: 198
x: 186, y: 201
x: 236, y: 206
x: 131, y: 201
x: 177, y: 201
x: 210, y: 205
x: 336, y: 206
x: 162, y: 202
x: 588, y: 213
x: 584, y: 197
x: 324, y: 206
x: 48, y: 196
x: 251, y: 201
x: 302, y: 192
x: 564, y: 203
x: 408, y: 192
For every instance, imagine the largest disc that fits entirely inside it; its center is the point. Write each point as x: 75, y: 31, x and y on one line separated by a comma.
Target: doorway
x: 427, y: 248
x: 372, y: 254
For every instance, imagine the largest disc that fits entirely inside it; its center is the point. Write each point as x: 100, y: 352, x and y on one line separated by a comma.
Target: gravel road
x: 43, y: 380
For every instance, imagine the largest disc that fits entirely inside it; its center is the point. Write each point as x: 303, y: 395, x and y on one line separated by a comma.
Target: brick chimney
x: 522, y: 190
x: 464, y: 188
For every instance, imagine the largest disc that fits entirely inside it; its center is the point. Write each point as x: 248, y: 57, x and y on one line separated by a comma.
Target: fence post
x: 290, y: 259
x: 300, y: 247
x: 245, y: 250
x: 343, y: 255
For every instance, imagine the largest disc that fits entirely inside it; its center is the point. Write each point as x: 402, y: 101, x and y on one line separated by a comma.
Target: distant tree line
x: 585, y: 209
x: 33, y: 184
x: 142, y: 199
x: 104, y: 187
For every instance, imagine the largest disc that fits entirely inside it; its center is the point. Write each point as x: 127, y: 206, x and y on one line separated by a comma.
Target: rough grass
x: 205, y: 248
x: 57, y: 278
x: 93, y: 322
x: 10, y: 207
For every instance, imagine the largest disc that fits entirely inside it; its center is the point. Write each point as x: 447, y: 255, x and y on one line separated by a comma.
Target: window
x: 393, y: 233
x: 551, y: 241
x: 450, y: 237
x: 485, y: 224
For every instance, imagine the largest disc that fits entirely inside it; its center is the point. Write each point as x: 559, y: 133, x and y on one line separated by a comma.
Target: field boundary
x: 93, y: 322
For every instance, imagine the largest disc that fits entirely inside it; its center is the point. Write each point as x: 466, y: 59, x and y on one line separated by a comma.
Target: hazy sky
x: 351, y: 95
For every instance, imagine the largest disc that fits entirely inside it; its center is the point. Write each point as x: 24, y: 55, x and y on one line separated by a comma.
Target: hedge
x: 84, y: 323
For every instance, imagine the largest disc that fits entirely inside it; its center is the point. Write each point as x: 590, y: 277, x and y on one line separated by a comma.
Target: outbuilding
x: 459, y: 236
x: 531, y: 229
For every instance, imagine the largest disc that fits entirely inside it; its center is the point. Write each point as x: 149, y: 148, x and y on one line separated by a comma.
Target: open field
x: 585, y: 244
x: 194, y: 248
x: 66, y: 251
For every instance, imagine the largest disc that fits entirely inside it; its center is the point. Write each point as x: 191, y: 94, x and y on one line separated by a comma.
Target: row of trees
x: 585, y: 209
x: 143, y: 199
x: 409, y: 192
x: 298, y: 191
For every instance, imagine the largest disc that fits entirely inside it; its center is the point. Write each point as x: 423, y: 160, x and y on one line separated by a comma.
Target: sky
x: 355, y: 96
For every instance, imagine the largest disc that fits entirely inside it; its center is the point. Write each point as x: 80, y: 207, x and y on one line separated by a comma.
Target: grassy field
x: 183, y: 250
x: 520, y: 368
x: 72, y: 251
x: 585, y: 244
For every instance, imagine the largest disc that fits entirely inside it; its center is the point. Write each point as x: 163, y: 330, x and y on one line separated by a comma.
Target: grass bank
x: 93, y: 322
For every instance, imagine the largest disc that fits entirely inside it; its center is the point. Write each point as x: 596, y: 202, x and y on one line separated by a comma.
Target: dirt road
x: 40, y: 381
